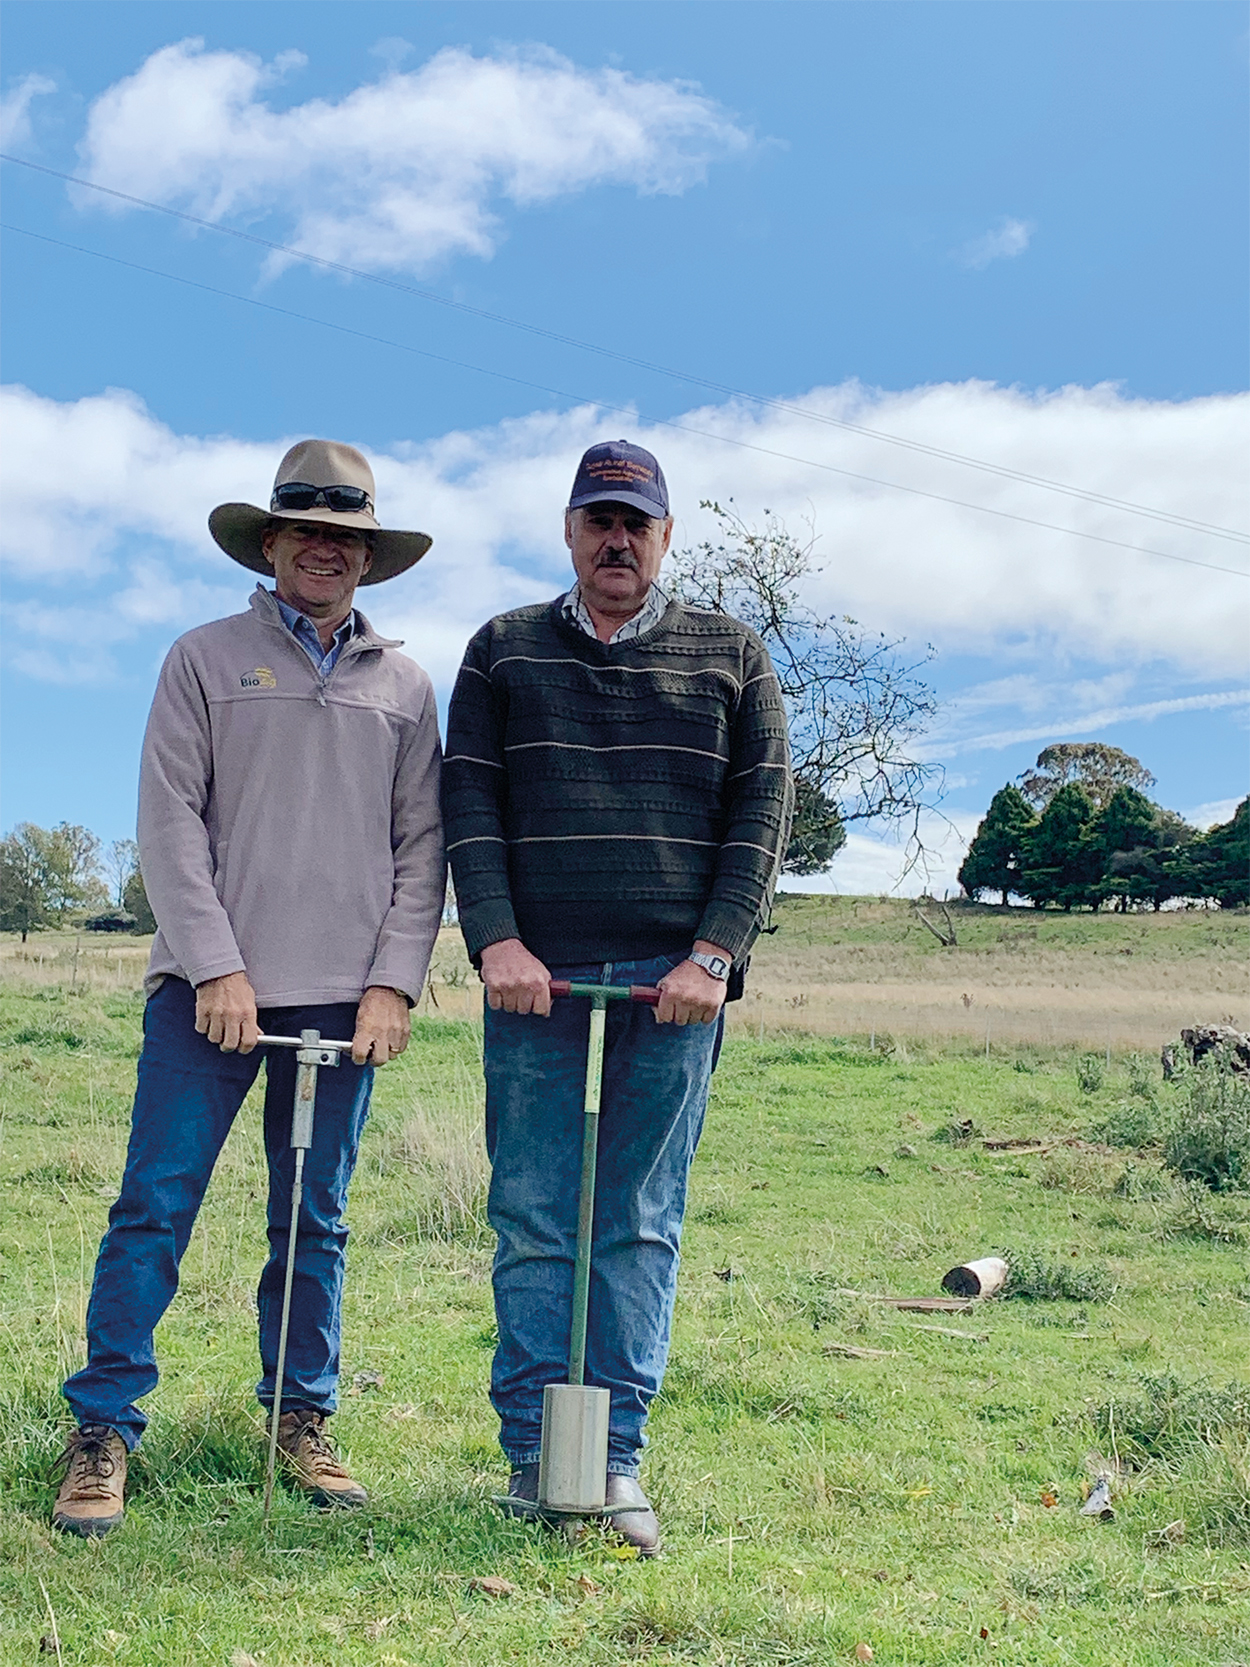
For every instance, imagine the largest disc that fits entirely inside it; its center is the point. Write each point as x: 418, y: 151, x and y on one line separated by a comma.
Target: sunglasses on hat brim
x: 297, y: 495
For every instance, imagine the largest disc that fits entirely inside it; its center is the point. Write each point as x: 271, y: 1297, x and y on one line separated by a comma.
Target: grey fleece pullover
x: 288, y: 823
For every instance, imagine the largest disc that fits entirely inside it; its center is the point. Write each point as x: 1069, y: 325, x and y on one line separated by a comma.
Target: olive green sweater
x: 608, y: 802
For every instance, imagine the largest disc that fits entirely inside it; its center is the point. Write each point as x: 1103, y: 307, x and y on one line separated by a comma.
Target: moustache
x: 618, y: 558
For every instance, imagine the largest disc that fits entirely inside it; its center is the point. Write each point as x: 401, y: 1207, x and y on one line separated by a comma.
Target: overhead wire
x: 604, y: 405
x: 1082, y: 494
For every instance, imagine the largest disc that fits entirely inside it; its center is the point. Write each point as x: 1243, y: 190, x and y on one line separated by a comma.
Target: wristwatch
x: 716, y: 965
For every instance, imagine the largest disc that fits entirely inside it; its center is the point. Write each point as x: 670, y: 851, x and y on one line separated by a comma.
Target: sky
x: 957, y: 290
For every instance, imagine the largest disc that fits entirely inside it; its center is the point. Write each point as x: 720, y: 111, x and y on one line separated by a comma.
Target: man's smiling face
x: 316, y: 565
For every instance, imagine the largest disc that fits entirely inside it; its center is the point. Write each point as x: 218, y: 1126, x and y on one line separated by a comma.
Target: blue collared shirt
x: 305, y: 634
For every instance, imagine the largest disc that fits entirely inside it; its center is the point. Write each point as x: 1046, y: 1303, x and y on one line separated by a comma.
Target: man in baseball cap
x: 617, y: 798
x: 291, y: 848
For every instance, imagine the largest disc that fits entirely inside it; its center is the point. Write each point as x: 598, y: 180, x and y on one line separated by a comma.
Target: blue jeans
x: 655, y: 1087
x: 188, y: 1095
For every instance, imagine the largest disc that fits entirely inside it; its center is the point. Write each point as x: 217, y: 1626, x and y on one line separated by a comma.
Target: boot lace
x: 317, y: 1445
x: 88, y: 1453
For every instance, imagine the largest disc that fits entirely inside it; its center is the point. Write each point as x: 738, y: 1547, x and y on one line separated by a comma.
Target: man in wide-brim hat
x: 292, y: 852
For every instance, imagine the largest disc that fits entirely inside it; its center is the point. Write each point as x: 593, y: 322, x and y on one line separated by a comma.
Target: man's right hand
x: 225, y: 1012
x: 515, y: 980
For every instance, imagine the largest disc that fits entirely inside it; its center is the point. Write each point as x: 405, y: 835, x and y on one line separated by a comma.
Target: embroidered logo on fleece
x: 261, y: 678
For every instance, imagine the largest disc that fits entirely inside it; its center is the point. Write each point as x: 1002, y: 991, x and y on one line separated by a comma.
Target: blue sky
x: 1015, y: 232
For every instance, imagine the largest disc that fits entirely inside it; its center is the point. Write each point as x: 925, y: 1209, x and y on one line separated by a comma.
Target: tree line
x: 51, y: 876
x: 1080, y: 832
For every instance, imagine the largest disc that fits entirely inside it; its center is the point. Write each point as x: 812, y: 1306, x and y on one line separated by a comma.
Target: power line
x: 584, y: 399
x: 1082, y: 494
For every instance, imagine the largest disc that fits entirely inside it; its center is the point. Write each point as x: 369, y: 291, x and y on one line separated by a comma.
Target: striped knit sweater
x: 610, y: 802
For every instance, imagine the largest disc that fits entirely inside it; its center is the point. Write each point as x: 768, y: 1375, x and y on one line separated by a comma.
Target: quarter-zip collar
x: 265, y: 604
x: 364, y: 639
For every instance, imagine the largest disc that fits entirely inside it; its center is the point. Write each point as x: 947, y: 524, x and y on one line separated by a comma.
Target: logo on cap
x: 618, y: 472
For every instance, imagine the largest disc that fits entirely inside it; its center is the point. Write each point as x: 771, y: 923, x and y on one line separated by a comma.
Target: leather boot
x: 630, y: 1515
x: 91, y: 1500
x: 312, y: 1465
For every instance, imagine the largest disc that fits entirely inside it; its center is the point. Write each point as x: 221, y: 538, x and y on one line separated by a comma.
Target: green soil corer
x: 573, y: 1464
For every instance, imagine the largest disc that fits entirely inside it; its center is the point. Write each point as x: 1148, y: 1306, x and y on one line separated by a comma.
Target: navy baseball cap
x: 619, y: 473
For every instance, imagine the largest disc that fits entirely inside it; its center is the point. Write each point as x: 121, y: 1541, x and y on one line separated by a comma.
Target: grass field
x: 922, y: 1500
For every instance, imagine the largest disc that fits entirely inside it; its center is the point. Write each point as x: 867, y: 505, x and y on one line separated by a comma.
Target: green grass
x: 810, y: 1501
x: 810, y: 919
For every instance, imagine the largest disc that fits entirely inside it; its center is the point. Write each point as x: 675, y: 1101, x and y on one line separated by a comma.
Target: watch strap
x: 716, y: 965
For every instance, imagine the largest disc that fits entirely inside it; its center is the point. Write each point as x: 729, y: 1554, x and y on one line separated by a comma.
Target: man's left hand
x: 383, y: 1025
x: 689, y: 995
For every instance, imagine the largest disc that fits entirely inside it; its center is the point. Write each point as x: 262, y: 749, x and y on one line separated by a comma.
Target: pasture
x: 918, y: 1495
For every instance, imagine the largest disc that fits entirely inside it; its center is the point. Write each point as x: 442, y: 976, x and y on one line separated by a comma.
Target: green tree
x: 54, y: 869
x: 1218, y: 862
x: 71, y: 868
x: 816, y: 834
x: 1138, y: 843
x: 993, y: 859
x: 135, y: 901
x: 1060, y: 862
x: 853, y: 706
x: 1099, y: 769
x: 23, y: 903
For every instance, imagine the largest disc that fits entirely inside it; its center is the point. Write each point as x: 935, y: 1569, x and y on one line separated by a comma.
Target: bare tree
x: 120, y: 861
x: 855, y: 707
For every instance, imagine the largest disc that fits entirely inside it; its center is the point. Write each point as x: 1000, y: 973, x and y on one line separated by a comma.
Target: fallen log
x: 919, y: 1305
x: 854, y: 1353
x: 928, y: 1305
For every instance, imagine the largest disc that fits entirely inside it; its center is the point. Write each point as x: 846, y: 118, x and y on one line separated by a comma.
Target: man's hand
x: 225, y: 1012
x: 383, y: 1026
x: 689, y: 995
x: 515, y: 980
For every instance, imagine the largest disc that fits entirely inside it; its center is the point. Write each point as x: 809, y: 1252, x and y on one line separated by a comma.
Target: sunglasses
x: 296, y: 495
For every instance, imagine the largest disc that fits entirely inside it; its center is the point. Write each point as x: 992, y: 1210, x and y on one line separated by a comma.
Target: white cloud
x: 889, y: 864
x: 1008, y: 239
x: 1215, y: 810
x: 15, y: 109
x: 404, y: 170
x: 90, y: 484
x: 1076, y: 720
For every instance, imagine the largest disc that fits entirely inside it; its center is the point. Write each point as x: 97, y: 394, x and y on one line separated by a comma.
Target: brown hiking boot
x: 311, y: 1462
x: 91, y: 1500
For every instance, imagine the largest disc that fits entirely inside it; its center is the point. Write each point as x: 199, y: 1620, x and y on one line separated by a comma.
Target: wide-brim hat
x: 239, y: 528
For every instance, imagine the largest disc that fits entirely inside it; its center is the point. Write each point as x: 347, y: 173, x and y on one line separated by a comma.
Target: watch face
x: 716, y: 965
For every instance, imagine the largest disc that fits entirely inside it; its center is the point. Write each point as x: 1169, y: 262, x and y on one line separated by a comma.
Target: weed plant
x: 1089, y: 1073
x: 1197, y: 1214
x: 1209, y: 1136
x: 1038, y: 1277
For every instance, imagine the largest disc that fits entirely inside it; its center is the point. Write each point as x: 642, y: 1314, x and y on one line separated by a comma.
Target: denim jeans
x: 655, y: 1087
x: 188, y: 1095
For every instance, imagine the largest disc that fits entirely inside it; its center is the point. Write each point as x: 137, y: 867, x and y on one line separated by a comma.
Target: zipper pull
x: 321, y: 691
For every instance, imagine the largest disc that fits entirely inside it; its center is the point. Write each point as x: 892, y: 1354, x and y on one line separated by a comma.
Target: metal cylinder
x: 573, y: 1467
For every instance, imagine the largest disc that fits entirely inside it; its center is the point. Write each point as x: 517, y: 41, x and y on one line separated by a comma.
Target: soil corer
x: 311, y: 1053
x: 573, y: 1467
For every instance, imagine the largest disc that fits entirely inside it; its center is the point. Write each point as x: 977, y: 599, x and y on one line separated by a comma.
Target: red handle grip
x: 613, y: 992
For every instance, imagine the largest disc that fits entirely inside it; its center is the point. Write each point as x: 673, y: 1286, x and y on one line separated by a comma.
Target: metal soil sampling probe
x: 573, y: 1466
x: 311, y: 1053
